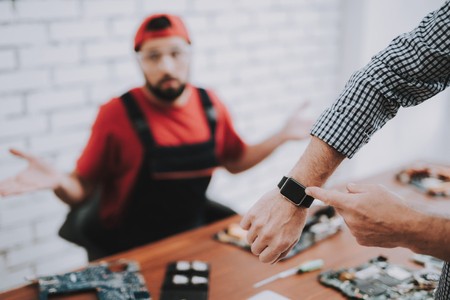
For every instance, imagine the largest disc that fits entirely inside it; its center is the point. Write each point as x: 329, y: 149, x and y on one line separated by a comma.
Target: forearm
x: 254, y: 154
x: 71, y: 189
x: 429, y: 234
x: 316, y: 164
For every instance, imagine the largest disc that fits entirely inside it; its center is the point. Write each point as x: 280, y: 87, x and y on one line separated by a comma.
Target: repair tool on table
x: 305, y: 267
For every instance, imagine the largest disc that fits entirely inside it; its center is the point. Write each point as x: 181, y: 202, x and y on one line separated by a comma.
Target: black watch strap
x: 294, y: 191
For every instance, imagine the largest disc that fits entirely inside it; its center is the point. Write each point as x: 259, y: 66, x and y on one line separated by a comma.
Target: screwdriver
x: 307, y: 266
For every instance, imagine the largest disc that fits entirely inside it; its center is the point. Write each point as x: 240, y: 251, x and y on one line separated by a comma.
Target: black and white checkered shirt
x: 413, y: 68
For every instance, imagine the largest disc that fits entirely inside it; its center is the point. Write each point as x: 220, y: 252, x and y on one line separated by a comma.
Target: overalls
x: 159, y: 207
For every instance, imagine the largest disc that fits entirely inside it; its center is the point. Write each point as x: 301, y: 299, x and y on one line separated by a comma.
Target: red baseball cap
x: 160, y: 25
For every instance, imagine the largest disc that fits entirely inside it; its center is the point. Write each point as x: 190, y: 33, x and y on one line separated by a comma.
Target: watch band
x: 294, y: 191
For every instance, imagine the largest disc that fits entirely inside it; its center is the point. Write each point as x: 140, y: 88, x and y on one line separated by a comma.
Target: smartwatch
x: 294, y: 192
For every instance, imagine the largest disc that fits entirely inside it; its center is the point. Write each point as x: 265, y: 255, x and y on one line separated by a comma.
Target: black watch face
x: 293, y: 191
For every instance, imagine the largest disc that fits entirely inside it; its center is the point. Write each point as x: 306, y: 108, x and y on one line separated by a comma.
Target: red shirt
x: 114, y: 153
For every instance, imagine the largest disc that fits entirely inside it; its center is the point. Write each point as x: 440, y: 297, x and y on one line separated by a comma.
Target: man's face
x: 165, y: 63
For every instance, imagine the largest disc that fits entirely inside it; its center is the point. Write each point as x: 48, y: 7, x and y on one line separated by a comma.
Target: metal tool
x: 308, y: 266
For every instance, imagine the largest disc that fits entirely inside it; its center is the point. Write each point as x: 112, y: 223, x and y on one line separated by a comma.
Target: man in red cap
x: 144, y: 172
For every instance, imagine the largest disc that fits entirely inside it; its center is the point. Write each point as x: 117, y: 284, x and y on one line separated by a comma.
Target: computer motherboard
x: 380, y: 280
x: 111, y: 281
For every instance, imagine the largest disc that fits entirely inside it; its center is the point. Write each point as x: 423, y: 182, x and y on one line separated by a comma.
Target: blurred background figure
x: 147, y: 165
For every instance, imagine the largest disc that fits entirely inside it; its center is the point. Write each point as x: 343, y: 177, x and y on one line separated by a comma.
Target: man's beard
x: 168, y: 95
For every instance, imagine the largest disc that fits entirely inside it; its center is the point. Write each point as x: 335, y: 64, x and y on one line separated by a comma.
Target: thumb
x: 330, y: 197
x: 360, y: 188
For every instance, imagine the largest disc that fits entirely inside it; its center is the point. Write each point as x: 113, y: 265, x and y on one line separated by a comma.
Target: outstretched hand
x: 38, y: 175
x: 298, y: 126
x: 374, y: 215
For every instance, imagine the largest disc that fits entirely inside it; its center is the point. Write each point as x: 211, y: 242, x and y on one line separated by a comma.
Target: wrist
x: 60, y: 181
x: 317, y: 163
x: 412, y: 234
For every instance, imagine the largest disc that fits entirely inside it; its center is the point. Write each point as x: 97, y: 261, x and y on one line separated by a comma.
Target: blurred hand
x: 38, y: 175
x: 297, y: 127
x: 374, y: 215
x: 274, y: 226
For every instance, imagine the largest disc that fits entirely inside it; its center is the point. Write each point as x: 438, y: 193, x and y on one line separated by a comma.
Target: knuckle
x: 283, y: 245
x: 280, y: 245
x: 257, y: 227
x: 267, y: 236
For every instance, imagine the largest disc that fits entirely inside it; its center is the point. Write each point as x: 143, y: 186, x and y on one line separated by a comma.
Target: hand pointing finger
x: 330, y: 197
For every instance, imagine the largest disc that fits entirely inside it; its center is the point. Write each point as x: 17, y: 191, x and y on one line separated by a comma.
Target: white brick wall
x: 47, y: 10
x: 108, y: 8
x: 23, y: 80
x: 7, y: 59
x: 22, y: 126
x: 6, y: 11
x: 59, y: 60
x: 64, y: 121
x: 78, y: 30
x: 10, y: 105
x: 22, y: 34
x: 175, y: 6
x: 15, y: 236
x: 49, y: 55
x: 52, y: 100
x: 108, y: 50
x: 81, y: 74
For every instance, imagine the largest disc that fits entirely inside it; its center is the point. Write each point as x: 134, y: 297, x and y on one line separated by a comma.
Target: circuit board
x: 380, y: 280
x: 112, y: 281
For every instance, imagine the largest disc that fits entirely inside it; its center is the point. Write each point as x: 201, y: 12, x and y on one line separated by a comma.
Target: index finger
x: 21, y: 154
x: 330, y: 197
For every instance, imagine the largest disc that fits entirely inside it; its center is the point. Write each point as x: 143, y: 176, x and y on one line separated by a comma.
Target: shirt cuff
x: 341, y: 132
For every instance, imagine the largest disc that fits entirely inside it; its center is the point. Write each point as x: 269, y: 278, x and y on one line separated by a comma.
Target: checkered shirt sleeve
x: 443, y: 290
x: 413, y: 68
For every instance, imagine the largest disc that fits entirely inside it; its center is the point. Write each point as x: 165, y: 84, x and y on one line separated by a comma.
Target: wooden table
x: 234, y: 271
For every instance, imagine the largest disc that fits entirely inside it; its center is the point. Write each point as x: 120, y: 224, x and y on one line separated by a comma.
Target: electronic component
x: 430, y: 179
x: 186, y: 280
x: 428, y: 261
x: 322, y: 224
x: 112, y: 281
x: 380, y: 280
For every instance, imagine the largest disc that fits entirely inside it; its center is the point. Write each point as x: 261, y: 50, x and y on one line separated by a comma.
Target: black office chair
x: 82, y: 224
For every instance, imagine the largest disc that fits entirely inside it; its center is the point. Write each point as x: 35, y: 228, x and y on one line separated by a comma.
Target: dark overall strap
x: 138, y: 120
x: 210, y: 112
